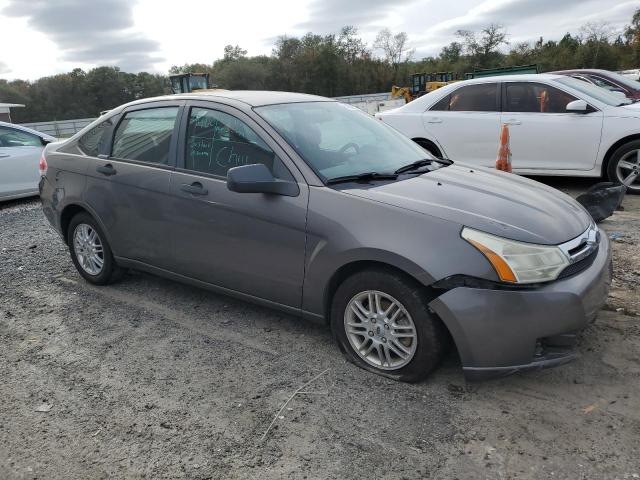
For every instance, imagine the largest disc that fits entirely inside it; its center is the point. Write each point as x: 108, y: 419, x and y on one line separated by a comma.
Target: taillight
x: 42, y: 166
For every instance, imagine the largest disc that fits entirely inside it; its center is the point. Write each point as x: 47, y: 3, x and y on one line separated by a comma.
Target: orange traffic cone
x: 503, y: 161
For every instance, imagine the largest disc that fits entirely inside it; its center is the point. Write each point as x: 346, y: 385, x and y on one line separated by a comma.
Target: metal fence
x: 372, y: 103
x: 60, y: 128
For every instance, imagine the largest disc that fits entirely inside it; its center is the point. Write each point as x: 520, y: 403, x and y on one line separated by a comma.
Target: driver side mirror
x: 257, y: 178
x: 45, y: 142
x: 578, y: 106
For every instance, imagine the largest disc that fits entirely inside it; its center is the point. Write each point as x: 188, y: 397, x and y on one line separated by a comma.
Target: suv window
x: 535, y: 98
x: 11, y: 137
x: 145, y: 135
x: 91, y: 142
x: 474, y: 98
x: 217, y: 141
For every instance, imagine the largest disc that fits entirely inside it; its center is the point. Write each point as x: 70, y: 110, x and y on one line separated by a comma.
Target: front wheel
x: 624, y: 161
x: 382, y: 324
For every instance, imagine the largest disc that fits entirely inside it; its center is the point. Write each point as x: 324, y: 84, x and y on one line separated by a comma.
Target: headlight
x: 518, y: 262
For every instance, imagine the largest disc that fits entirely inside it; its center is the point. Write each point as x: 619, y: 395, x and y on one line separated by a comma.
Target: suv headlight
x: 518, y: 262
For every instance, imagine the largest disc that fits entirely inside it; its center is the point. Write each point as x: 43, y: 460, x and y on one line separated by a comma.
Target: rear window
x: 145, y: 135
x: 91, y: 142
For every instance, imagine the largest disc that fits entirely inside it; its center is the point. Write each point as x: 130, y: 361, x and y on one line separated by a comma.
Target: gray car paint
x: 286, y: 252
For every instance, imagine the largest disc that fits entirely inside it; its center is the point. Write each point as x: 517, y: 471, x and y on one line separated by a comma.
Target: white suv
x: 558, y: 125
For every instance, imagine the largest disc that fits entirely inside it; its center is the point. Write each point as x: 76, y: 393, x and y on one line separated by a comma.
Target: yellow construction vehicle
x: 422, y: 83
x: 402, y: 92
x: 191, y: 82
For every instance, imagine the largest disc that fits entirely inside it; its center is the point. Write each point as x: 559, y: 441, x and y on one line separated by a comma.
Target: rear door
x: 129, y: 182
x: 543, y: 135
x: 246, y: 242
x: 467, y: 123
x: 19, y: 155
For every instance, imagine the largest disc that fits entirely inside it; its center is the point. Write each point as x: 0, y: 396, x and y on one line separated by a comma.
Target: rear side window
x: 533, y: 97
x: 91, y: 142
x: 145, y: 135
x: 442, y: 104
x: 475, y: 98
x: 217, y: 141
x: 10, y: 137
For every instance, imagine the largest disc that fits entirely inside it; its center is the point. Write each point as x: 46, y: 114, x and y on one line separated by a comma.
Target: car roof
x: 581, y: 70
x: 529, y: 77
x: 251, y: 98
x: 25, y: 129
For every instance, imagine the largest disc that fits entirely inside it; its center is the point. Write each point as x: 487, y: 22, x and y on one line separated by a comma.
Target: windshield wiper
x: 362, y: 177
x: 422, y: 163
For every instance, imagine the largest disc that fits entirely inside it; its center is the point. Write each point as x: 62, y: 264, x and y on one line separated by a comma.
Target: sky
x: 45, y: 37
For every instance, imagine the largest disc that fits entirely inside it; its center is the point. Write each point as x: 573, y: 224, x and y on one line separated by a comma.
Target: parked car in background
x: 558, y: 125
x: 612, y: 81
x: 20, y: 151
x: 313, y: 207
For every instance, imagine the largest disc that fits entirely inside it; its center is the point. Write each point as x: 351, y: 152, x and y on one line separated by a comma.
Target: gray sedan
x: 313, y: 207
x: 20, y: 151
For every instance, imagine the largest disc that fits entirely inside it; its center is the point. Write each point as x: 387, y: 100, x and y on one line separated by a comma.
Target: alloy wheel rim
x: 626, y: 165
x: 380, y: 330
x: 88, y: 249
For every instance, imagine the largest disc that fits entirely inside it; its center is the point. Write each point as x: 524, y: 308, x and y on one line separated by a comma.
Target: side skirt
x: 136, y: 265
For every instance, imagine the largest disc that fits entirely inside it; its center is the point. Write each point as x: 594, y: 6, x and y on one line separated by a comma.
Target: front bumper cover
x: 499, y: 332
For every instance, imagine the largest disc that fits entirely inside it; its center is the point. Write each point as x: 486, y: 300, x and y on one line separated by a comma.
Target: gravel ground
x: 152, y: 379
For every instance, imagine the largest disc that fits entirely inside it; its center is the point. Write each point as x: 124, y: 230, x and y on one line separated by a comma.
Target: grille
x: 579, y: 266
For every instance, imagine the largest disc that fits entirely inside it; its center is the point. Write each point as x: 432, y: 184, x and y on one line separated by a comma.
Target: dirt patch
x: 152, y: 379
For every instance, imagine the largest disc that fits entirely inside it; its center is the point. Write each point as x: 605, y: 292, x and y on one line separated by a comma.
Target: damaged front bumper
x: 499, y: 332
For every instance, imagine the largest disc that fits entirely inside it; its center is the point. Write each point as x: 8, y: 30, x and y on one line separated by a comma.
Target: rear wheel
x: 90, y: 251
x: 623, y: 162
x: 382, y: 323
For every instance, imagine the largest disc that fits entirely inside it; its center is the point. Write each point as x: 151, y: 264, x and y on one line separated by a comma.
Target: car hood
x: 495, y: 202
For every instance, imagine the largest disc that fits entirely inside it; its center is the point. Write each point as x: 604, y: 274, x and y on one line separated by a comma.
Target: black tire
x: 432, y: 336
x: 110, y: 271
x: 612, y: 166
x: 429, y: 147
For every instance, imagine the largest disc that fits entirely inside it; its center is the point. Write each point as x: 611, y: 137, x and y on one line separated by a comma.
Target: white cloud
x: 43, y: 37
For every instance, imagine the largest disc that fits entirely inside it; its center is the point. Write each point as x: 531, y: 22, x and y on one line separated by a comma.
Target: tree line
x: 329, y: 65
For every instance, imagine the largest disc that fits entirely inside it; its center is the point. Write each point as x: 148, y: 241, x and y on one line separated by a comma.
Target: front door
x: 246, y: 242
x: 543, y: 135
x: 467, y: 124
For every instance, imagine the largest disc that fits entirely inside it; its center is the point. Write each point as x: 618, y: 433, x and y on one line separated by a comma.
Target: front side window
x: 217, y: 141
x: 10, y: 137
x: 474, y: 98
x: 337, y: 140
x: 145, y: 135
x: 533, y: 97
x: 91, y: 142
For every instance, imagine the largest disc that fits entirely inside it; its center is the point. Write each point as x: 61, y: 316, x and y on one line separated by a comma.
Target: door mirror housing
x: 578, y: 106
x: 257, y: 178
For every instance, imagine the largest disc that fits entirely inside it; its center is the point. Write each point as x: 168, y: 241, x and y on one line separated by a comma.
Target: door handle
x: 513, y: 122
x: 434, y: 120
x: 107, y: 170
x: 4, y: 155
x: 195, y: 188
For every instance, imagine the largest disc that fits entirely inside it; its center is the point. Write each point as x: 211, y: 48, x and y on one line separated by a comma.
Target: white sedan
x: 558, y: 125
x: 20, y: 150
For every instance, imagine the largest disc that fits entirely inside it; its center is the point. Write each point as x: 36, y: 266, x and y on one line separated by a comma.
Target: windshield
x: 337, y: 140
x: 624, y: 80
x: 600, y: 94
